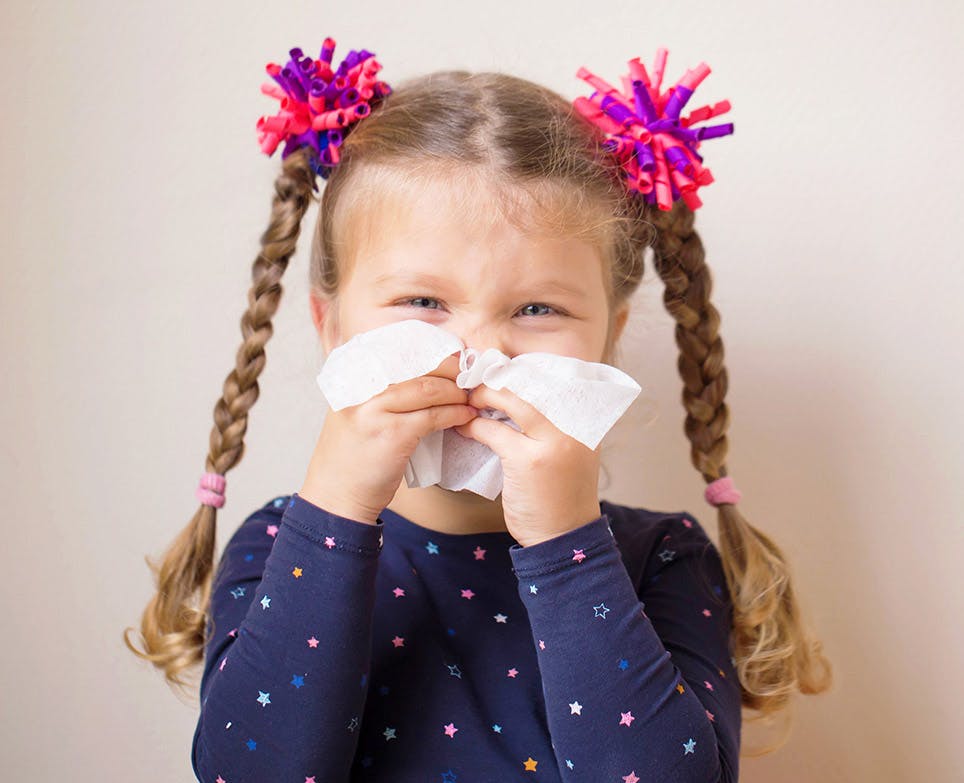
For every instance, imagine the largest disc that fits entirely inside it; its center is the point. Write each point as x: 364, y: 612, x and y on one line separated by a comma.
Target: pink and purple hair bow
x: 656, y: 148
x: 319, y: 105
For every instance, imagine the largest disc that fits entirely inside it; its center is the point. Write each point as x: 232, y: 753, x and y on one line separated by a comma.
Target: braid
x: 775, y: 654
x: 172, y: 626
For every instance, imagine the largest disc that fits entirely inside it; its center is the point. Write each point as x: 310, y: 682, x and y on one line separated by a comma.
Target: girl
x: 362, y: 630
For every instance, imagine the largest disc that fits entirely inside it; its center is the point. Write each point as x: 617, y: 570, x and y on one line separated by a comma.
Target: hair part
x: 548, y: 171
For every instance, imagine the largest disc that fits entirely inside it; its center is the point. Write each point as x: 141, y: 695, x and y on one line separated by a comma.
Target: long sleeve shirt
x: 341, y: 651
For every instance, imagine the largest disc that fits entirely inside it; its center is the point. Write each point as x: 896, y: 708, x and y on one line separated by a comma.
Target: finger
x: 439, y: 417
x: 502, y: 438
x: 449, y: 367
x: 529, y: 418
x: 422, y: 392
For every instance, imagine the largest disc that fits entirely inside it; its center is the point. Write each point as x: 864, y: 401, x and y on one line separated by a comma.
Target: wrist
x: 330, y: 502
x: 538, y: 538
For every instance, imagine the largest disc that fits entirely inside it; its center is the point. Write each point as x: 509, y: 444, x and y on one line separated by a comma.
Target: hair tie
x: 656, y: 149
x: 319, y: 106
x: 210, y: 490
x: 722, y: 491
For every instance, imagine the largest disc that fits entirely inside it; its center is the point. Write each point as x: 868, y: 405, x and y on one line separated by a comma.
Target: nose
x: 481, y: 337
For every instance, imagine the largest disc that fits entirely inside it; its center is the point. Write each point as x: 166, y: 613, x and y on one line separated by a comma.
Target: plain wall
x: 134, y: 193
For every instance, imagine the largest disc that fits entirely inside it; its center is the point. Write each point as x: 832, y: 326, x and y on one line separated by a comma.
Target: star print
x: 708, y: 684
x: 533, y: 589
x: 601, y: 611
x: 626, y: 717
x: 512, y: 672
x: 687, y: 523
x: 329, y: 542
x: 631, y: 777
x: 297, y: 680
x: 710, y: 716
x: 569, y: 763
x: 272, y: 530
x: 679, y: 687
x: 721, y: 673
x: 500, y: 618
x: 399, y: 592
x: 220, y: 780
x: 479, y: 553
x: 263, y: 698
x: 575, y: 708
x: 237, y: 592
x: 624, y: 664
x: 398, y: 641
x: 251, y: 744
x: 233, y: 632
x: 454, y: 670
x: 297, y: 572
x: 707, y: 613
x: 448, y: 777
x: 689, y: 746
x: 496, y: 728
x: 312, y: 642
x: 450, y: 729
x: 265, y: 602
x: 578, y: 556
x: 224, y: 661
x: 432, y: 548
x: 389, y: 733
x: 530, y: 764
x: 467, y: 593
x: 666, y: 555
x: 542, y: 645
x: 353, y: 723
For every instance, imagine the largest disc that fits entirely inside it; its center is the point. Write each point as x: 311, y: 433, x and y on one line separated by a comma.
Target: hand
x: 551, y: 480
x: 360, y: 457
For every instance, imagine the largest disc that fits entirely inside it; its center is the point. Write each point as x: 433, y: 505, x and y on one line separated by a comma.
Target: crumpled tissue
x: 583, y: 399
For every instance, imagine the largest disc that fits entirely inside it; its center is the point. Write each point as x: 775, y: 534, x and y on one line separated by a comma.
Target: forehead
x: 425, y: 216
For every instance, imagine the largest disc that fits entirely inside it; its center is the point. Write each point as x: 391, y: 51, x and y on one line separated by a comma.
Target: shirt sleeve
x: 635, y: 690
x: 289, y: 647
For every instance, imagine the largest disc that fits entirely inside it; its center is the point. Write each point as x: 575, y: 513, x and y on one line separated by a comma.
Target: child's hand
x: 360, y: 457
x: 550, y: 479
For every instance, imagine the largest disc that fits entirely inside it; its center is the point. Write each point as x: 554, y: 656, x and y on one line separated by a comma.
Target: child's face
x: 488, y: 283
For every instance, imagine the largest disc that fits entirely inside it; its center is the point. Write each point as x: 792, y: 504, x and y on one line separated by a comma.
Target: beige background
x: 133, y: 197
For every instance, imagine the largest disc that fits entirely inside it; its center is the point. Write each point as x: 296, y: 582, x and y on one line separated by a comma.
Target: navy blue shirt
x: 342, y: 651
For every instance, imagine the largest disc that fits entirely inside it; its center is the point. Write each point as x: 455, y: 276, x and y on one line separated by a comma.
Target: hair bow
x: 319, y: 105
x: 656, y: 149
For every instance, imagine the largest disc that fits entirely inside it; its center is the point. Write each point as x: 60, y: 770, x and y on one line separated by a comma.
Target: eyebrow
x: 419, y: 278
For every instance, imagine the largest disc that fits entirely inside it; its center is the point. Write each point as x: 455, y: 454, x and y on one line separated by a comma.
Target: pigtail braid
x: 172, y: 625
x: 774, y: 652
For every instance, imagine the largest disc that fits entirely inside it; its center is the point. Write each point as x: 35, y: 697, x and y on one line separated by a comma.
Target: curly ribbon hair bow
x: 319, y: 105
x: 656, y: 149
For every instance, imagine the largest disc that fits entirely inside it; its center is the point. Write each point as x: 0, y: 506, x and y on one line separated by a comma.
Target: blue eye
x: 410, y: 300
x: 417, y: 298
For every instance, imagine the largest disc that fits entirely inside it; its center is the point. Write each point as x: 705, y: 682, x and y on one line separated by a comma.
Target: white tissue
x: 583, y: 399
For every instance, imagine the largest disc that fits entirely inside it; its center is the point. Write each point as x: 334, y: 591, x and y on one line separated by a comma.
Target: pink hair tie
x: 722, y: 491
x: 210, y: 491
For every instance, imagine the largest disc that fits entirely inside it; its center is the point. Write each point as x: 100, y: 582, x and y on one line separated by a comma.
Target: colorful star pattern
x: 559, y: 620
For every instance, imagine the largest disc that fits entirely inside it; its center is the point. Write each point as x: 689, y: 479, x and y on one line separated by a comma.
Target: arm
x: 284, y: 683
x: 635, y: 691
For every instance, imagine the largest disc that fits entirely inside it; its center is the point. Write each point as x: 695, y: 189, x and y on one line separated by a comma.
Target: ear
x: 323, y: 316
x: 619, y: 322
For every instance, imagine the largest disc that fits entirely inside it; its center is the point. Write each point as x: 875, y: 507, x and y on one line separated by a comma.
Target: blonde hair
x: 533, y: 149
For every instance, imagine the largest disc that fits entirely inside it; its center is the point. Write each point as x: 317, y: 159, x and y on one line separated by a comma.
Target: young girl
x: 362, y: 630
